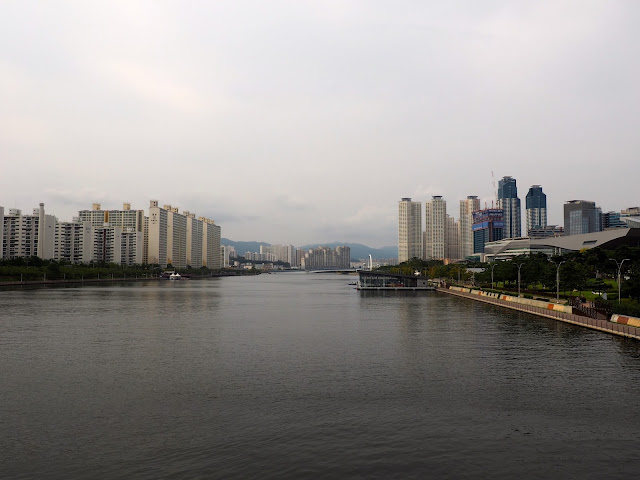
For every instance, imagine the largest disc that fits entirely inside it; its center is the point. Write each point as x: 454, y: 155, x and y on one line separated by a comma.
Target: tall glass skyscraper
x: 536, y: 204
x: 509, y: 202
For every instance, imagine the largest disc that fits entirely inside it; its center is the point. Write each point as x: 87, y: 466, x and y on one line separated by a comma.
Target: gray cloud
x: 306, y: 121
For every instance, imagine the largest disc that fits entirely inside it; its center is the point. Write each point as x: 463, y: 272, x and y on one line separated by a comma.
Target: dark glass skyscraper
x: 536, y: 208
x: 509, y: 202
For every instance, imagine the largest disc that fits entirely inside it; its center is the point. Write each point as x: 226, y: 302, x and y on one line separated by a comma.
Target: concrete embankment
x: 623, y: 326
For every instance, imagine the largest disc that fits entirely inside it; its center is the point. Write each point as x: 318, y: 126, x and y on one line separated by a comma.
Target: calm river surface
x: 297, y: 375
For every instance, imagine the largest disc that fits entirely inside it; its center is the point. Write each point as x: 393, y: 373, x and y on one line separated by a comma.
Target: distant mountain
x: 243, y: 247
x: 359, y: 251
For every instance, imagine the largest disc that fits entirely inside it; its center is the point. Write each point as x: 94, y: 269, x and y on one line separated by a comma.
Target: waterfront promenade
x: 594, y: 324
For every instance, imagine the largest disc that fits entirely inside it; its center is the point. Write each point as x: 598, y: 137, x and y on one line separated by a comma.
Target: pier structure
x: 389, y: 281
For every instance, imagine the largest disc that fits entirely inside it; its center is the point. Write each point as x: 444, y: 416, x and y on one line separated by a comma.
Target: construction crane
x: 495, y: 190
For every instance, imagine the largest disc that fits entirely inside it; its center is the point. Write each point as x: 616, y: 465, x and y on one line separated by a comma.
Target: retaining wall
x: 519, y: 300
x: 623, y: 320
x: 617, y: 328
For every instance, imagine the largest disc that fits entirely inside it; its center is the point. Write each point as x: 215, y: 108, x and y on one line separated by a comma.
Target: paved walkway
x: 594, y: 324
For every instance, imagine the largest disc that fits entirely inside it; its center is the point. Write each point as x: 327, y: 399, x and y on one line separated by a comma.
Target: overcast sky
x: 299, y: 122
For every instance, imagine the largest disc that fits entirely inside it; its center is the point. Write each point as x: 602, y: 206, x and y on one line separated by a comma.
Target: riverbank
x: 109, y: 279
x: 556, y: 312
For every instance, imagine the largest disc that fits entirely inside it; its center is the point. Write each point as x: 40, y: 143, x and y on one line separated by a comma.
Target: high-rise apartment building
x: 536, y: 208
x: 435, y: 228
x: 488, y: 226
x: 467, y: 207
x: 409, y: 229
x: 157, y: 235
x: 125, y: 218
x: 195, y: 228
x: 452, y: 243
x: 28, y: 235
x: 212, y: 255
x: 509, y: 202
x: 581, y: 216
x: 73, y: 241
x: 327, y: 258
x: 283, y: 253
x: 176, y: 237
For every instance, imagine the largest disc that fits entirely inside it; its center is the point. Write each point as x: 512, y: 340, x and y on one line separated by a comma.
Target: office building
x: 488, y: 226
x: 536, y: 208
x: 409, y: 230
x: 581, y: 216
x: 509, y: 202
x: 28, y: 235
x: 435, y: 229
x: 613, y: 220
x: 467, y: 207
x: 546, y: 232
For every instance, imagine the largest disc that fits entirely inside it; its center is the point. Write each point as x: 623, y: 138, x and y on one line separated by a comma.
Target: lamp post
x: 558, y: 279
x: 619, y: 265
x: 493, y: 265
x: 519, y: 267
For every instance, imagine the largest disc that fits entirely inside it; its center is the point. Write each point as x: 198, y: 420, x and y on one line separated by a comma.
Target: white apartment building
x: 467, y: 207
x: 409, y: 229
x: 119, y: 245
x: 125, y: 218
x: 283, y: 253
x: 194, y: 240
x: 1, y: 232
x: 211, y: 251
x: 452, y: 245
x: 435, y: 229
x: 28, y: 235
x: 157, y: 233
x: 176, y: 237
x: 74, y: 242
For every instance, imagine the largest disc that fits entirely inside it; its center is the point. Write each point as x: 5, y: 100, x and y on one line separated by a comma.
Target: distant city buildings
x: 581, y: 216
x: 325, y: 258
x: 467, y: 207
x: 488, y: 226
x: 26, y: 235
x: 509, y: 202
x: 536, y: 209
x: 124, y: 237
x: 409, y: 230
x: 434, y: 243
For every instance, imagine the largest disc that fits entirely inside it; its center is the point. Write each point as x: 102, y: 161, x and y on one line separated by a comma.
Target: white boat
x: 175, y: 276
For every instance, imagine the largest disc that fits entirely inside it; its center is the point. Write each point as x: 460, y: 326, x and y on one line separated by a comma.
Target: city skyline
x: 303, y: 122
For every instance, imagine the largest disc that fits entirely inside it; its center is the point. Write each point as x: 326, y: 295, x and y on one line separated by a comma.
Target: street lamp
x: 558, y: 279
x: 619, y: 265
x: 493, y: 265
x: 519, y: 267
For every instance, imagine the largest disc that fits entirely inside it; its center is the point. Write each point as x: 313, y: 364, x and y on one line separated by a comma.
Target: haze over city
x: 298, y: 122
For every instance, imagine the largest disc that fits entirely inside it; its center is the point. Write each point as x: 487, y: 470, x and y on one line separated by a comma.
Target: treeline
x: 36, y: 269
x: 590, y: 270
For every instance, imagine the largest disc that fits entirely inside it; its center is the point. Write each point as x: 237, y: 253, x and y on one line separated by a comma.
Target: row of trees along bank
x: 589, y: 273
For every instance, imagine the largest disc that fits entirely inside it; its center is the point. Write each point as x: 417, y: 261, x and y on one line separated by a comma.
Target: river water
x: 297, y: 375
